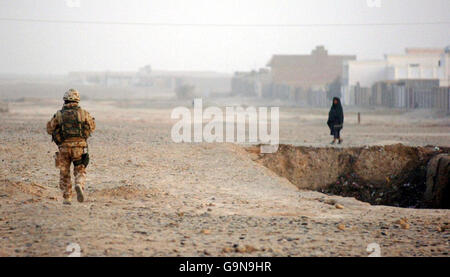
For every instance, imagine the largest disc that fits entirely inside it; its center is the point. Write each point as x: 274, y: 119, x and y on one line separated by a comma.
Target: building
x: 364, y: 73
x: 104, y: 78
x: 308, y: 72
x: 253, y: 83
x: 414, y: 64
x: 205, y: 83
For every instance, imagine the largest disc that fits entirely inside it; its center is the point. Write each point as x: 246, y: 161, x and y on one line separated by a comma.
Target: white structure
x: 416, y: 63
x: 366, y: 73
x: 444, y: 68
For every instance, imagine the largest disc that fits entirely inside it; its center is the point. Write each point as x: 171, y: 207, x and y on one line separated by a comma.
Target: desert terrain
x: 149, y: 196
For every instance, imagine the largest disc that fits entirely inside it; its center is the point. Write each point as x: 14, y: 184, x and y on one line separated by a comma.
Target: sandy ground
x: 148, y: 196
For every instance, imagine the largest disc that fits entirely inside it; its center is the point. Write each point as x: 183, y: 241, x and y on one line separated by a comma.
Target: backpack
x: 71, y: 125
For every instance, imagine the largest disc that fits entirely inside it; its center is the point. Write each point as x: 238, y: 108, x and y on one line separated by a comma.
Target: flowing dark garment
x: 336, y: 118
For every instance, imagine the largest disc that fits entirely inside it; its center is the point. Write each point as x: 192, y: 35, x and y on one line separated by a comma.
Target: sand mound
x: 9, y: 188
x: 126, y: 192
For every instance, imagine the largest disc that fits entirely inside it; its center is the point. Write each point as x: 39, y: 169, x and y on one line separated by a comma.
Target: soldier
x: 70, y: 127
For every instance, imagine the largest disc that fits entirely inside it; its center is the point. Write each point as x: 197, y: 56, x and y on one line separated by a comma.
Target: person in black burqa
x: 336, y: 120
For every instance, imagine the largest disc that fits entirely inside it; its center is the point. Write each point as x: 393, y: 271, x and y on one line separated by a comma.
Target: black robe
x: 335, y: 117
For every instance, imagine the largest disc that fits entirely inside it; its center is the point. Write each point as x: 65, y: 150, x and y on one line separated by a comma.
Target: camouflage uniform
x: 71, y: 148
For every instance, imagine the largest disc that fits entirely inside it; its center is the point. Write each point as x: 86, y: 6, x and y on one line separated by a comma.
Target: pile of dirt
x: 126, y: 192
x: 9, y: 188
x: 385, y: 175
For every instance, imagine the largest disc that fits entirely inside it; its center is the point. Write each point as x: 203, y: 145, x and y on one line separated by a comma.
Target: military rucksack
x: 71, y: 123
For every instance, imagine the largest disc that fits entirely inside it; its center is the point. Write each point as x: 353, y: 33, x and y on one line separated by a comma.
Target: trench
x: 393, y: 175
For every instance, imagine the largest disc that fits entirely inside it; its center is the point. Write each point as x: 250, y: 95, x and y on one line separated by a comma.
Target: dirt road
x: 148, y: 196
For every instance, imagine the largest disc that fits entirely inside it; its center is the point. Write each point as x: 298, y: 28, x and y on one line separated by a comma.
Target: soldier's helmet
x: 72, y: 95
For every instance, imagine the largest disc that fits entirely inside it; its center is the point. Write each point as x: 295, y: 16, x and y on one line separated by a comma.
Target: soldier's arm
x: 52, y: 124
x: 90, y: 121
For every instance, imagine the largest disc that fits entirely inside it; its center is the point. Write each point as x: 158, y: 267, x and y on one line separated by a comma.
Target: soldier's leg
x: 79, y: 173
x: 65, y: 183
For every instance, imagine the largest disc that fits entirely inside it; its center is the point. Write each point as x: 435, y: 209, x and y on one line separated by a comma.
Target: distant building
x: 315, y: 71
x: 251, y: 83
x: 414, y: 64
x: 204, y: 83
x: 104, y: 78
x: 364, y: 73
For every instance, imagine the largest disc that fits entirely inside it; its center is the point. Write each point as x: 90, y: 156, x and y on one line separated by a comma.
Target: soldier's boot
x: 67, y: 194
x: 80, y: 193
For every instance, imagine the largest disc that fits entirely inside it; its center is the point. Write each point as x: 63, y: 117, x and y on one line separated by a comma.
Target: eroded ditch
x: 394, y: 175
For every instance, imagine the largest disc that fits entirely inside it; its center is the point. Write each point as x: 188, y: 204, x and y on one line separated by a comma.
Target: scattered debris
x: 330, y: 201
x: 245, y: 249
x: 205, y: 231
x: 227, y: 250
x: 341, y: 227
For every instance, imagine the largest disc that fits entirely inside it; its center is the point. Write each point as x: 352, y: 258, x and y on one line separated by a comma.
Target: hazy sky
x: 57, y: 48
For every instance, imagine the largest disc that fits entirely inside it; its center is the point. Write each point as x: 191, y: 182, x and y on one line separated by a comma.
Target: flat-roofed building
x: 414, y: 64
x: 315, y: 71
